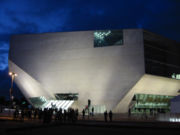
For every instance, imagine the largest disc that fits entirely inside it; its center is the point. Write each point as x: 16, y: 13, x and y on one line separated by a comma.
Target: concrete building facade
x: 108, y: 67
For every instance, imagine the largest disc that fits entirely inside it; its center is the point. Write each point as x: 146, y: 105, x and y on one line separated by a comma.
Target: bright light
x: 174, y: 119
x: 10, y: 73
x: 13, y: 74
x: 63, y: 104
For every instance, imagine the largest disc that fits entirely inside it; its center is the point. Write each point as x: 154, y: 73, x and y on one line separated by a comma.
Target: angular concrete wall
x: 149, y: 84
x: 68, y: 62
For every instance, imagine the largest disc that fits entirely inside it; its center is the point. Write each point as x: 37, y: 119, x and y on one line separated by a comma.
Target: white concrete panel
x: 28, y: 85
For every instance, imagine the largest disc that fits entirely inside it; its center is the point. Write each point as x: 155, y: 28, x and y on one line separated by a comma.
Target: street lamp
x: 13, y: 75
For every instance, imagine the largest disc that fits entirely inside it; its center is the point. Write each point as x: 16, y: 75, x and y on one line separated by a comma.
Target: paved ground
x: 90, y: 130
x: 8, y: 126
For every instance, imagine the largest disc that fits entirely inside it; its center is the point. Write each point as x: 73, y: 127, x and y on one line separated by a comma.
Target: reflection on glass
x: 108, y: 38
x: 38, y: 101
x: 66, y: 96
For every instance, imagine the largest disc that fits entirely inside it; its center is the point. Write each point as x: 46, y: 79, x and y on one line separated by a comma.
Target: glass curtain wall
x: 146, y: 103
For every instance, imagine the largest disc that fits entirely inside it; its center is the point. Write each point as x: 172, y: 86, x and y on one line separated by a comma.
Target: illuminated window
x: 147, y: 103
x: 108, y: 38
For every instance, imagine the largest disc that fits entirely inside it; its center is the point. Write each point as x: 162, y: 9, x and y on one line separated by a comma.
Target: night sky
x: 39, y: 16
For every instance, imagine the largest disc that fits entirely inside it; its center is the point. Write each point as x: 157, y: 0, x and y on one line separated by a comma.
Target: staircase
x: 63, y: 104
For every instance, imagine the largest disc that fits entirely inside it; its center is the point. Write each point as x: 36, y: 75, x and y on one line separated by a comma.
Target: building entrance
x: 62, y: 101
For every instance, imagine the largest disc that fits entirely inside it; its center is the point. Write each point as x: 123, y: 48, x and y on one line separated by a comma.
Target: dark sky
x: 39, y: 16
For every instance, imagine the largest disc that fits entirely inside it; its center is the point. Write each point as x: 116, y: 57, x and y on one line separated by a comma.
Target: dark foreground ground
x: 88, y: 128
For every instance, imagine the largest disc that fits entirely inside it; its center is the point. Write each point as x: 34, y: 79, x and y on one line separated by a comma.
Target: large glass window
x: 66, y: 96
x: 147, y: 103
x: 108, y: 38
x: 38, y: 101
x: 175, y: 76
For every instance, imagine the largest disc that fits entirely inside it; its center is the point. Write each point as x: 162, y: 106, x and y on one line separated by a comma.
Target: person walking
x: 83, y: 112
x: 105, y: 116
x: 129, y: 112
x: 22, y: 115
x: 92, y: 111
x: 110, y: 115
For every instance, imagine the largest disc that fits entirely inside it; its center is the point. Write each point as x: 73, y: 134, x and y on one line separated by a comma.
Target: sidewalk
x: 92, y: 122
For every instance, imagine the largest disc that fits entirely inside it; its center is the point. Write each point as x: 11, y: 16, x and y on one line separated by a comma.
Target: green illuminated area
x: 38, y: 101
x: 108, y: 38
x: 145, y: 103
x: 176, y: 76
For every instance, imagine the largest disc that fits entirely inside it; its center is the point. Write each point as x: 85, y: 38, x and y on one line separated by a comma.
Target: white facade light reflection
x: 174, y: 119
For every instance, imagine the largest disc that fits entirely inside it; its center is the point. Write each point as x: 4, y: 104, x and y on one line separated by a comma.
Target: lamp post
x: 13, y: 75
